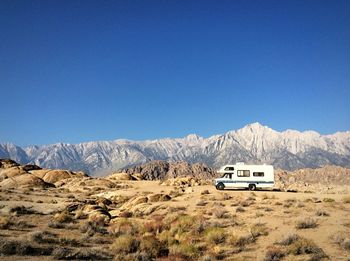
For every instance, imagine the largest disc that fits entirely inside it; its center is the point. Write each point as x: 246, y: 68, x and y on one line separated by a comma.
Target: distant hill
x: 254, y: 143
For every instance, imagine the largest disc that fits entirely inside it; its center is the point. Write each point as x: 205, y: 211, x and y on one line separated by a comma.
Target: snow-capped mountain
x: 253, y: 143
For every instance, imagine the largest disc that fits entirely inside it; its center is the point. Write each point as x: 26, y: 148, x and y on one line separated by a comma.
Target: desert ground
x: 69, y: 216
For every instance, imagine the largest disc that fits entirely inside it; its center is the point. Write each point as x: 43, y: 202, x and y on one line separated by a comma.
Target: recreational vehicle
x: 245, y: 176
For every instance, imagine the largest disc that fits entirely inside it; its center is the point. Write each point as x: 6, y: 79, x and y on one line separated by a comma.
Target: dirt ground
x: 262, y: 218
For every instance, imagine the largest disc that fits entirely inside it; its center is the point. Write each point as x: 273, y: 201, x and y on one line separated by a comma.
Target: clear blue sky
x: 74, y: 71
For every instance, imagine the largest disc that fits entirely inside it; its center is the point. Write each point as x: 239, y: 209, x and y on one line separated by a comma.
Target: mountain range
x: 253, y: 143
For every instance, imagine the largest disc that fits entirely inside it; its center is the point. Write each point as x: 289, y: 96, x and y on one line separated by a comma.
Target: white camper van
x: 245, y: 176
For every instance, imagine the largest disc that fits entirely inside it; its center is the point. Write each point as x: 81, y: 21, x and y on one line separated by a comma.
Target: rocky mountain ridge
x: 253, y: 143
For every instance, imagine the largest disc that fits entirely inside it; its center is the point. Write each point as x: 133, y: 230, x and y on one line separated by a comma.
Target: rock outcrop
x: 161, y: 170
x: 326, y: 179
x: 13, y: 175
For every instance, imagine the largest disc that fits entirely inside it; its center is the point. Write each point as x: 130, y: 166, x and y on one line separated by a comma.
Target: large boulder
x: 11, y: 172
x: 53, y: 176
x: 7, y: 163
x: 24, y: 181
x: 119, y: 176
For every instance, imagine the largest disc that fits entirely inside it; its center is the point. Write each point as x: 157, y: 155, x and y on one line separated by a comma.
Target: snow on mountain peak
x: 253, y: 143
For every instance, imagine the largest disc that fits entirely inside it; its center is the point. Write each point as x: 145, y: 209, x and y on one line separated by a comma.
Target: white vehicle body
x: 245, y: 176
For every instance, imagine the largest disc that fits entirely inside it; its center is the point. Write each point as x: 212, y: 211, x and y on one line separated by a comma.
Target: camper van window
x: 227, y: 175
x: 243, y: 173
x: 229, y: 168
x: 258, y: 174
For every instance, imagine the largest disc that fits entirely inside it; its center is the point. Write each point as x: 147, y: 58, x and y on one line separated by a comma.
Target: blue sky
x: 74, y: 71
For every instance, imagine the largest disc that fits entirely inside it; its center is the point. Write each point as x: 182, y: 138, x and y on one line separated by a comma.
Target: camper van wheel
x: 252, y: 187
x: 220, y: 186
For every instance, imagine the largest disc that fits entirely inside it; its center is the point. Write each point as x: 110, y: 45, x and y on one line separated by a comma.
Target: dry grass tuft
x: 306, y: 223
x: 63, y: 217
x: 342, y: 239
x: 274, y: 253
x: 215, y: 235
x: 346, y: 200
x: 322, y: 213
x: 125, y: 244
x: 328, y: 200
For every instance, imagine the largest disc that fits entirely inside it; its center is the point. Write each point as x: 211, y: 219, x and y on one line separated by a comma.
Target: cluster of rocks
x: 161, y: 170
x: 183, y: 182
x: 105, y: 209
x: 331, y: 179
x: 13, y: 175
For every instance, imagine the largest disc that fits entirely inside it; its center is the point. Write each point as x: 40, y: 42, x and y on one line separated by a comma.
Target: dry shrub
x: 221, y: 213
x: 184, y: 250
x: 342, y: 239
x: 22, y: 210
x: 79, y: 214
x: 306, y: 223
x: 43, y: 237
x: 274, y: 253
x: 241, y: 241
x: 201, y: 203
x: 125, y: 214
x: 22, y: 248
x: 322, y: 213
x: 63, y: 217
x: 258, y: 229
x: 300, y: 204
x: 305, y: 246
x: 125, y: 244
x: 122, y: 227
x: 328, y: 200
x: 153, y: 226
x: 5, y: 223
x: 64, y: 253
x: 346, y: 200
x: 185, y: 223
x: 90, y: 228
x: 205, y: 192
x: 215, y: 235
x: 55, y: 224
x: 225, y: 196
x: 240, y: 209
x: 152, y: 246
x: 288, y: 240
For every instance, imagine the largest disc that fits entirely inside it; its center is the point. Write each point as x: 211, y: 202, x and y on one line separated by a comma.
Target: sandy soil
x: 278, y: 212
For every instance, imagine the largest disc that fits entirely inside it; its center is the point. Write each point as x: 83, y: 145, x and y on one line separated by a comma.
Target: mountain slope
x: 253, y: 143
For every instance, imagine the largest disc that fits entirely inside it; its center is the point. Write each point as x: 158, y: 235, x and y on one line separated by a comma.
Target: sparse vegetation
x: 125, y: 244
x: 322, y: 213
x: 328, y: 200
x: 274, y: 253
x: 346, y: 200
x: 215, y: 235
x: 342, y: 239
x: 306, y: 223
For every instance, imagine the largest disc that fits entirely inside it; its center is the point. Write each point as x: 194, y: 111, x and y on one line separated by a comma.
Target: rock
x: 158, y: 197
x: 119, y: 176
x: 8, y: 163
x: 11, y: 172
x: 24, y: 181
x: 160, y: 170
x: 30, y: 167
x: 133, y: 202
x: 182, y: 182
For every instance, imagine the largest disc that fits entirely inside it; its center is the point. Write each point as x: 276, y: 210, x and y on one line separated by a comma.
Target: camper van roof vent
x: 240, y: 163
